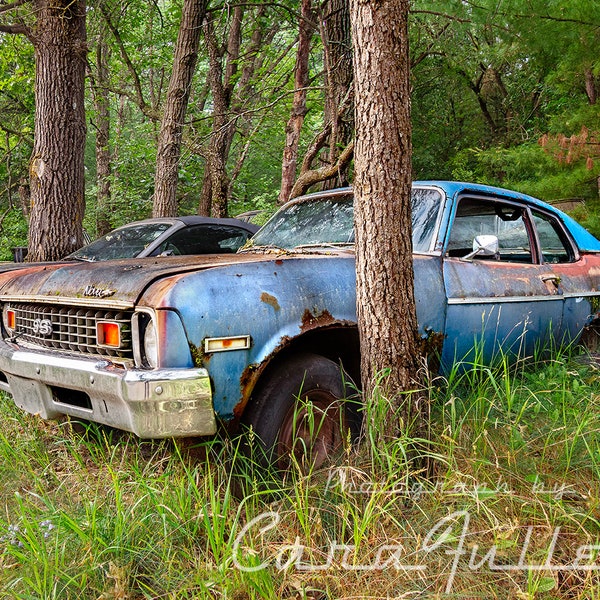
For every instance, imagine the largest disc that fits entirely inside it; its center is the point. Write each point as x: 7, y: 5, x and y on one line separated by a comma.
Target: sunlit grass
x: 510, y: 500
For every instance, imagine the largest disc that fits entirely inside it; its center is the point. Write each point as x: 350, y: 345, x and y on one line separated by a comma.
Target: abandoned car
x: 171, y: 346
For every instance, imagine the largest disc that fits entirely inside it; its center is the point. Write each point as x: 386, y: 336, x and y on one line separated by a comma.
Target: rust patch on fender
x: 311, y: 320
x: 270, y: 300
x: 247, y: 381
x: 250, y: 376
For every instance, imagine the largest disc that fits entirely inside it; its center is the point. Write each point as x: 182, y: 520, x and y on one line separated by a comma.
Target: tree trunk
x: 57, y: 162
x: 102, y: 126
x: 339, y: 103
x: 591, y: 88
x: 222, y: 82
x: 178, y: 94
x: 385, y: 290
x: 205, y: 203
x: 296, y: 120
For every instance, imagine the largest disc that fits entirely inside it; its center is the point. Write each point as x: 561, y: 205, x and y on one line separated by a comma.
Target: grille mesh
x: 73, y: 328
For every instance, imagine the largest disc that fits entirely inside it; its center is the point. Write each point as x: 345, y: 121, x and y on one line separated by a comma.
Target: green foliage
x: 16, y: 137
x: 14, y: 234
x: 474, y: 56
x: 487, y: 85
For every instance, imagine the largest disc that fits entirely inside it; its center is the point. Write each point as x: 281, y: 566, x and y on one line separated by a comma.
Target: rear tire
x: 305, y: 411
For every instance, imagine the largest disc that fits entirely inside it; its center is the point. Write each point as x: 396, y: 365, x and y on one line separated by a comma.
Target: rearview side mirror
x: 484, y: 245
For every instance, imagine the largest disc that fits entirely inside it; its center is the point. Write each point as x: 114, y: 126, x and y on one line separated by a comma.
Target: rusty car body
x: 171, y: 346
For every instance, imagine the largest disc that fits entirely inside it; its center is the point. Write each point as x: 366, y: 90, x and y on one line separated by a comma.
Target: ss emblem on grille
x: 42, y: 327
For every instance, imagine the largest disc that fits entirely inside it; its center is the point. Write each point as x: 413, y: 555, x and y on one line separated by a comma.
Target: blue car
x: 267, y: 336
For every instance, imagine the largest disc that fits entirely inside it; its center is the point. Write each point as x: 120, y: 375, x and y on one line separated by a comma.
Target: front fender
x: 272, y: 301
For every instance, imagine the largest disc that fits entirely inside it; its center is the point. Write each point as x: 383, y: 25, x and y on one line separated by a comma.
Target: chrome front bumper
x: 152, y: 404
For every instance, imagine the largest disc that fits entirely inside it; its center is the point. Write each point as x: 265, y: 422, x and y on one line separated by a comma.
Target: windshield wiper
x: 82, y: 258
x: 324, y: 245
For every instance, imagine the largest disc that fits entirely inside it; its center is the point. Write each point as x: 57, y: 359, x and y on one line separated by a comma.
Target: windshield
x: 322, y: 220
x: 329, y: 220
x: 126, y: 242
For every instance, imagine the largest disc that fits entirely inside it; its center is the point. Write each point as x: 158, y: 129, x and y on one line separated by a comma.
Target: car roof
x: 190, y: 220
x: 583, y: 238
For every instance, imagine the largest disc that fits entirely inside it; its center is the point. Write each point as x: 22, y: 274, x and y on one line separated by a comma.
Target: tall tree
x: 339, y: 101
x: 299, y: 109
x: 171, y: 130
x: 57, y: 164
x: 238, y: 53
x: 222, y: 81
x: 384, y: 269
x: 101, y: 99
x: 333, y: 146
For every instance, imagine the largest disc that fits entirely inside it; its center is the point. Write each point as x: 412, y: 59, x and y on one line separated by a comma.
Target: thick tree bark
x: 299, y: 110
x: 178, y: 94
x: 57, y: 162
x: 385, y: 288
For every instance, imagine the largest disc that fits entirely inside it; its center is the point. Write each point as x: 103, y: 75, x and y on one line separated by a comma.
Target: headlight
x: 150, y: 344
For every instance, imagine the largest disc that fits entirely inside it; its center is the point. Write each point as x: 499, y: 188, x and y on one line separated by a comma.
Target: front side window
x: 506, y: 221
x: 426, y: 205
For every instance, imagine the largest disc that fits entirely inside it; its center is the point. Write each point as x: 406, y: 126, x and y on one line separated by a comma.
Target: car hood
x: 117, y: 283
x: 20, y: 266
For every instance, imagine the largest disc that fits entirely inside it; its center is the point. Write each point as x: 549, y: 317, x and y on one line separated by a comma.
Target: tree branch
x: 139, y: 95
x: 6, y: 7
x: 317, y: 175
x: 16, y: 30
x: 439, y: 14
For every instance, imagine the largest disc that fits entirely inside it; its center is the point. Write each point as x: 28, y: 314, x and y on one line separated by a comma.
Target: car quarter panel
x: 579, y: 285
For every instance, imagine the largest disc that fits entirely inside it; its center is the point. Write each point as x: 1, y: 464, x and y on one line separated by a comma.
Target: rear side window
x: 205, y: 239
x: 554, y: 246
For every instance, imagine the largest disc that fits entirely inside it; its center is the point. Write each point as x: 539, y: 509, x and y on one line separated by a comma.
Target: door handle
x: 552, y: 283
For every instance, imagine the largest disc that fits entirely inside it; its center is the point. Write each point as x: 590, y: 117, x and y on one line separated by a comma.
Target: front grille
x: 72, y: 330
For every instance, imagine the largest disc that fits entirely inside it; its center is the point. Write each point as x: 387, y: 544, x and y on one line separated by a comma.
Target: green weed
x: 509, y: 506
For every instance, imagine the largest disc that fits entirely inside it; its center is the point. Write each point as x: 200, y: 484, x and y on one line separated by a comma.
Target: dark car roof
x: 199, y: 220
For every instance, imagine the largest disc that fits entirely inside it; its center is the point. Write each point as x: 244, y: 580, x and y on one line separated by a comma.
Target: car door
x: 506, y: 303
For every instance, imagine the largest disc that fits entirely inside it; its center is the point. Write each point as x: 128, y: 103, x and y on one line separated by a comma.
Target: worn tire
x: 306, y: 407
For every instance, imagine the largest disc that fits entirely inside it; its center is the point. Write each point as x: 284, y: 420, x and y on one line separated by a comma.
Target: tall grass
x: 510, y: 510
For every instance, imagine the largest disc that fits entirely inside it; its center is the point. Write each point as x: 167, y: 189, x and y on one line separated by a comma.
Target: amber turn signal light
x: 108, y: 334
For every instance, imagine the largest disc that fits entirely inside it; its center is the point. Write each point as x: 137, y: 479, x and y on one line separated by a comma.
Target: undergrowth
x: 506, y: 504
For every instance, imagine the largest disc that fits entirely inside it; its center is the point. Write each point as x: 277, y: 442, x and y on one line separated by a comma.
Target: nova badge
x: 95, y: 292
x: 42, y: 327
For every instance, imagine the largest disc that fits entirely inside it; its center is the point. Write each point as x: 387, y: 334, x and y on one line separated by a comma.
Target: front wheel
x: 305, y: 411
